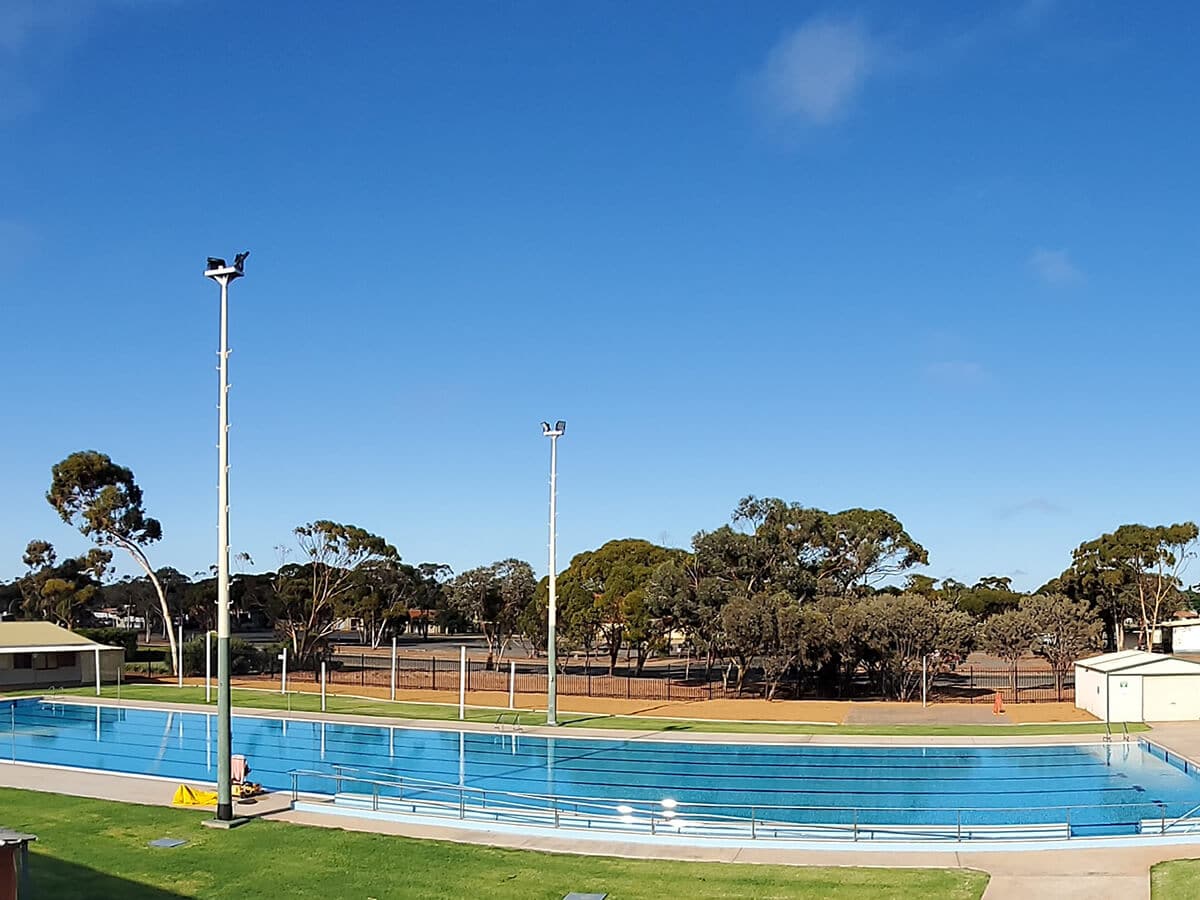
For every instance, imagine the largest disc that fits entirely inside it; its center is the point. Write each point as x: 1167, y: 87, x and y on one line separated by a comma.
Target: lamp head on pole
x: 217, y: 269
x: 555, y: 430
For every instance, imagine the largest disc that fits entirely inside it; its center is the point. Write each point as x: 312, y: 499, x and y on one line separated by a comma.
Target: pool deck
x: 616, y: 734
x: 1091, y: 869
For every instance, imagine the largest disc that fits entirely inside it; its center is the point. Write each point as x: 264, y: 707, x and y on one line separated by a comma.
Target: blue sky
x: 925, y: 257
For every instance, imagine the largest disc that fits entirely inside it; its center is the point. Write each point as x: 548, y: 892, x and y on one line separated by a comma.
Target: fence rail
x: 675, y: 681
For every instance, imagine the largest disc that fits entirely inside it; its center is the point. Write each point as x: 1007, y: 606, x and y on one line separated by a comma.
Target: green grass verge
x: 305, y: 702
x: 98, y: 850
x: 1175, y: 880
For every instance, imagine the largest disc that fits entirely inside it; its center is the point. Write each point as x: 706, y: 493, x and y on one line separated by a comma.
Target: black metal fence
x: 431, y: 673
x: 1024, y: 685
x: 674, y: 681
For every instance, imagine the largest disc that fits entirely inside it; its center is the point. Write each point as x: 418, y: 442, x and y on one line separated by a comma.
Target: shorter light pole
x: 554, y: 432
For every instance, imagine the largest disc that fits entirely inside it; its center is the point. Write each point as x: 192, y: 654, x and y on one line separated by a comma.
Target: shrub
x: 244, y: 657
x: 114, y: 637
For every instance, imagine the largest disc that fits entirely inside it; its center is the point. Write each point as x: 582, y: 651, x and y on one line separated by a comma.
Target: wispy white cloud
x: 1055, y: 267
x: 815, y: 72
x: 956, y: 372
x: 36, y: 36
x: 1039, y: 505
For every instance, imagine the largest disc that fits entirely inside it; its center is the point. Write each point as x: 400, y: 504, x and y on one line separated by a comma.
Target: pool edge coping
x: 614, y: 734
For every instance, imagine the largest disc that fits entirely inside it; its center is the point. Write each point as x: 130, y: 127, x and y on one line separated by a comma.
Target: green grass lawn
x: 95, y: 850
x: 305, y: 702
x: 1175, y: 880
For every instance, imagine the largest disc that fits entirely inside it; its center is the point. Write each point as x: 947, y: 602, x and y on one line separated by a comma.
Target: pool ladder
x: 513, y: 725
x: 1108, y: 735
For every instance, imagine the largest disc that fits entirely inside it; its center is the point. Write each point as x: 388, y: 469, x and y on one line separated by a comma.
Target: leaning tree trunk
x: 140, y: 558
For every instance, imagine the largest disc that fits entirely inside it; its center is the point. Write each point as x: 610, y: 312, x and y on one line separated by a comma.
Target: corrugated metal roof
x: 1108, y: 661
x: 60, y: 648
x: 1139, y: 662
x: 40, y: 635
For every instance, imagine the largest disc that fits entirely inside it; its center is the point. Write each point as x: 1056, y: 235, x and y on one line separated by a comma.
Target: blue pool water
x: 1109, y: 787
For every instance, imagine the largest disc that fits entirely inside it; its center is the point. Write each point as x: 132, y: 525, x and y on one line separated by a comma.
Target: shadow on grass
x: 62, y: 880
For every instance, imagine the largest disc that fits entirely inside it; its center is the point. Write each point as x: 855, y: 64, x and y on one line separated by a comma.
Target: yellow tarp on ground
x: 189, y: 796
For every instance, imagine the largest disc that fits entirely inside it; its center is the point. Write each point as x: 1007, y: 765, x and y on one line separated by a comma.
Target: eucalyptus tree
x: 308, y: 593
x: 1009, y: 635
x: 1141, y: 565
x: 1066, y: 631
x: 493, y: 597
x: 102, y: 500
x: 61, y: 591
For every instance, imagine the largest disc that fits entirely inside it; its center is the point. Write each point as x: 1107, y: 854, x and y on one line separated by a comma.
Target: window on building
x: 22, y: 660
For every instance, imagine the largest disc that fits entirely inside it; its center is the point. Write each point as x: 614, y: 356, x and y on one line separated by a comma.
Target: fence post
x: 208, y: 666
x: 589, y: 678
x: 433, y: 673
x: 710, y: 687
x: 322, y: 685
x: 393, y: 697
x: 462, y: 683
x: 362, y: 670
x: 627, y: 684
x: 512, y: 682
x: 668, y: 681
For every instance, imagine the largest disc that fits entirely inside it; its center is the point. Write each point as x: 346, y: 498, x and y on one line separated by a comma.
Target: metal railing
x: 387, y: 792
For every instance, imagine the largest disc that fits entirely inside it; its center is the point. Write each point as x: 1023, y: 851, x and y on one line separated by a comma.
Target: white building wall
x: 1186, y: 638
x: 1089, y: 691
x: 1171, y: 698
x: 1124, y: 697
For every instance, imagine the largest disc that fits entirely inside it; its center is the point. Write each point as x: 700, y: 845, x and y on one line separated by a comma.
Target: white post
x: 924, y: 703
x: 97, y: 672
x: 552, y: 620
x: 223, y: 276
x: 208, y: 666
x: 393, y: 669
x: 181, y: 653
x: 322, y: 685
x: 512, y: 682
x: 462, y: 682
x: 283, y: 674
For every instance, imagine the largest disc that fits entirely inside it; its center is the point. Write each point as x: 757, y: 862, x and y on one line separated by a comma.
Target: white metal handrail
x: 630, y: 814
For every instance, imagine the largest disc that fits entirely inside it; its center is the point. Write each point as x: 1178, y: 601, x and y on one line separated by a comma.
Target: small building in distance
x: 42, y: 654
x: 1180, y: 634
x: 1136, y: 686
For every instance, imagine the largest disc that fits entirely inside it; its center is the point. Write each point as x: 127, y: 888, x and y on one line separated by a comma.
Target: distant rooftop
x: 33, y: 637
x: 1139, y: 662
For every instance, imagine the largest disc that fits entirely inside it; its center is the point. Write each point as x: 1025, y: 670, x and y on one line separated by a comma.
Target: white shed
x: 1135, y: 686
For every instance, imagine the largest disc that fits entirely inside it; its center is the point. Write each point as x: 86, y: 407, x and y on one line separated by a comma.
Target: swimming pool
x: 1091, y: 789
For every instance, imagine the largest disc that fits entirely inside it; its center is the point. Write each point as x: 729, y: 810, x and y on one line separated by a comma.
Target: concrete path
x: 913, y: 714
x: 1092, y: 872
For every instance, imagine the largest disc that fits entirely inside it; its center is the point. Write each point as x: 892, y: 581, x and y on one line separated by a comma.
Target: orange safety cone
x: 998, y: 706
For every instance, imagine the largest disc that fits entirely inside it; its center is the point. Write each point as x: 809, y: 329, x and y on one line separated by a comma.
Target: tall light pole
x: 554, y: 432
x: 222, y: 274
